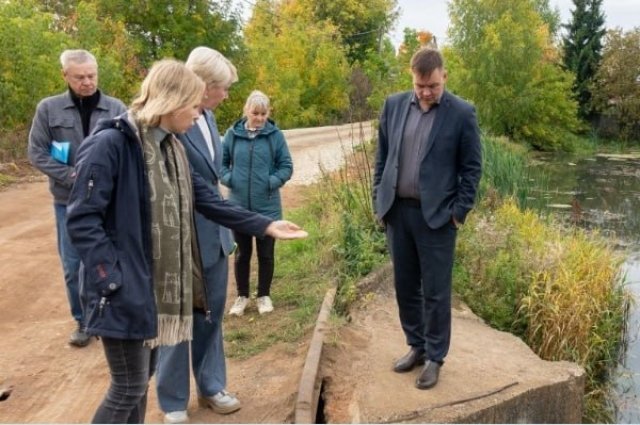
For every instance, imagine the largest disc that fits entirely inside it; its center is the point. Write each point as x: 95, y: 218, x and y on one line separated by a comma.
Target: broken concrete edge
x: 309, y: 386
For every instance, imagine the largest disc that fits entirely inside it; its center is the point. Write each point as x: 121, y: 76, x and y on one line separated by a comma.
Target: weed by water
x: 558, y: 288
x: 505, y: 171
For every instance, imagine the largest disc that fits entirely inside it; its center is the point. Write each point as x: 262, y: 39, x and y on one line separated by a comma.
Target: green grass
x: 344, y: 244
x: 300, y: 282
x: 5, y: 180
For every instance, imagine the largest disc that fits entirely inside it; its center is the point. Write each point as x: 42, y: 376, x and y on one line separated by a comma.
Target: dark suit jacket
x: 450, y: 169
x: 212, y: 238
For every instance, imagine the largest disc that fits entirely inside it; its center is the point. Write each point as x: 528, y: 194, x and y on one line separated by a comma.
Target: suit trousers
x: 207, y: 350
x: 422, y: 268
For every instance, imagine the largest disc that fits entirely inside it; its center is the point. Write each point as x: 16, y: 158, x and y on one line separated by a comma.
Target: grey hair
x: 257, y: 99
x: 211, y: 65
x: 78, y: 56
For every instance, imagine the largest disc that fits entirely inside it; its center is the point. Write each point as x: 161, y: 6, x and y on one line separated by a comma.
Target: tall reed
x: 505, y: 170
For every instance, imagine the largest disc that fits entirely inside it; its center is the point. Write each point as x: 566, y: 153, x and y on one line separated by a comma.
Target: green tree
x: 616, y: 89
x: 29, y: 64
x: 582, y: 48
x: 506, y: 64
x: 360, y: 24
x: 385, y: 73
x: 550, y: 16
x: 297, y: 63
x: 171, y: 28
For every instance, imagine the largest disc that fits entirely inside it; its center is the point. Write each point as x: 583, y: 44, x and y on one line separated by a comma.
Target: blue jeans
x: 131, y: 365
x: 207, y: 350
x: 70, y: 262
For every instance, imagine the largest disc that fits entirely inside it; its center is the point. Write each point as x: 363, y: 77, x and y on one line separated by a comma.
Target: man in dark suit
x: 427, y: 170
x: 203, y: 147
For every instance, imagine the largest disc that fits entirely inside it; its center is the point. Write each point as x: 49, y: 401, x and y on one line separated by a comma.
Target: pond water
x: 604, y: 192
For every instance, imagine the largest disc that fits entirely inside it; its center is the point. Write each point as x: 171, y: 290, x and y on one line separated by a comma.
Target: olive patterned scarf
x: 172, y: 235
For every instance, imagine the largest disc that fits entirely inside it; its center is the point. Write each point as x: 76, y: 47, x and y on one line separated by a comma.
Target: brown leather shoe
x: 413, y: 358
x: 429, y: 376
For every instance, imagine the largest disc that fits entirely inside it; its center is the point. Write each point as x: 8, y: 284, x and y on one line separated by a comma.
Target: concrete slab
x: 489, y: 376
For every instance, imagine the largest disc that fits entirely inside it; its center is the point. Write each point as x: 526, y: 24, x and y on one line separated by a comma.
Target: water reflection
x: 627, y: 382
x: 604, y: 193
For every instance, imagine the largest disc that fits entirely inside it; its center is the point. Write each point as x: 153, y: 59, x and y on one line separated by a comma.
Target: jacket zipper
x: 103, y: 301
x: 90, y: 185
x: 252, y: 144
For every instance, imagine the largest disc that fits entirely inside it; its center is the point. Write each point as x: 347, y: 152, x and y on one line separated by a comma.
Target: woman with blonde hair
x: 130, y: 216
x: 256, y: 163
x: 204, y: 355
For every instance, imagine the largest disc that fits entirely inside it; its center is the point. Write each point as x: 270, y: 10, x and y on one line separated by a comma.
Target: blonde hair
x: 168, y: 86
x: 212, y: 66
x: 256, y: 99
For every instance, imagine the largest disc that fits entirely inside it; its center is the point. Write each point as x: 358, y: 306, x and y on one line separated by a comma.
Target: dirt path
x: 55, y: 383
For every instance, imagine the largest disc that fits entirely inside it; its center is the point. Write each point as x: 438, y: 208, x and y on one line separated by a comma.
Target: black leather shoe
x: 429, y: 375
x: 413, y: 358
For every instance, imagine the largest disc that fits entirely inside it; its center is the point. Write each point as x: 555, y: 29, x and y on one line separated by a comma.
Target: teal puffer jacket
x: 255, y: 169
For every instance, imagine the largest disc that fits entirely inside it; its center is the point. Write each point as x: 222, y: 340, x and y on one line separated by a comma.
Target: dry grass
x: 558, y: 288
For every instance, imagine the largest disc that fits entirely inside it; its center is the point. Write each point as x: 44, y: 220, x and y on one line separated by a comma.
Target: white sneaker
x: 265, y: 305
x: 238, y: 306
x: 222, y: 402
x: 177, y: 417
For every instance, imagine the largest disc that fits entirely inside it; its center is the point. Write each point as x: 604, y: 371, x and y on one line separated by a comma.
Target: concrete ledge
x: 489, y: 376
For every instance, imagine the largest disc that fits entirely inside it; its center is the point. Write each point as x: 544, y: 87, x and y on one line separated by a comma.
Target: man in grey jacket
x: 60, y: 124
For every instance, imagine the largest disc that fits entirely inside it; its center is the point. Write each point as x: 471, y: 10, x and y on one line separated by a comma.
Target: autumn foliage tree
x: 506, y: 64
x: 298, y: 62
x: 616, y: 89
x: 29, y: 66
x: 361, y: 25
x: 31, y: 40
x: 171, y: 28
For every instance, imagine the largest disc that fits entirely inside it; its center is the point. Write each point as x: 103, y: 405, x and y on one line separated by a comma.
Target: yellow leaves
x: 424, y: 37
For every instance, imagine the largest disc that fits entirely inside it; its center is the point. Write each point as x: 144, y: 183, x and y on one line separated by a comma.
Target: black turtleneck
x: 86, y: 106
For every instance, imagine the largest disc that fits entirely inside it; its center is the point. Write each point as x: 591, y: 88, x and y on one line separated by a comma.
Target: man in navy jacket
x: 427, y: 170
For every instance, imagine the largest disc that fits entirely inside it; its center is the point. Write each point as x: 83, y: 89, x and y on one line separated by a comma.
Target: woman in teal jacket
x: 256, y: 163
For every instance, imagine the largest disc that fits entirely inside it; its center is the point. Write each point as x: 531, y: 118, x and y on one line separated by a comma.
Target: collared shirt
x: 206, y: 133
x: 157, y: 134
x: 412, y: 148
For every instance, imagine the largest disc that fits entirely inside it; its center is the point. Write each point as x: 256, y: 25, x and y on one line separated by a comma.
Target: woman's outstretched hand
x: 283, y: 229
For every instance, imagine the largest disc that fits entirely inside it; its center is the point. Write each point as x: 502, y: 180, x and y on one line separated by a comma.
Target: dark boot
x: 413, y: 358
x: 79, y: 337
x: 429, y: 375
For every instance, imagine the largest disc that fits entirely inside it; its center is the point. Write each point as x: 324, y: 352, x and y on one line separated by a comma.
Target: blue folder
x: 60, y: 151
